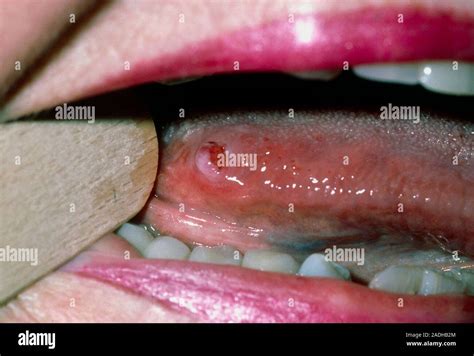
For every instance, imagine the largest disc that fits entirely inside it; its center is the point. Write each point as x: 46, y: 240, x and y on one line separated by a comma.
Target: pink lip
x: 234, y: 294
x: 321, y: 41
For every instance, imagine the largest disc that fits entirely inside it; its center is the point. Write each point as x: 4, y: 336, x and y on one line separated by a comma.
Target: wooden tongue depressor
x: 65, y: 184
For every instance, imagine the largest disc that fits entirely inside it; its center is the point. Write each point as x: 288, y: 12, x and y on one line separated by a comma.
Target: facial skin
x: 27, y: 29
x: 118, y: 32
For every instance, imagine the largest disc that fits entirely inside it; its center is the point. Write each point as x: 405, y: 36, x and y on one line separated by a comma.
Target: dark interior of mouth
x: 329, y: 171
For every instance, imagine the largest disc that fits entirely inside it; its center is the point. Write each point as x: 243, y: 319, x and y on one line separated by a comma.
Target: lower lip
x: 320, y: 41
x: 234, y: 294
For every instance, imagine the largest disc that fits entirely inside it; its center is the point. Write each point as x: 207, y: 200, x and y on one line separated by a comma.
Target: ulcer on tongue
x: 248, y: 183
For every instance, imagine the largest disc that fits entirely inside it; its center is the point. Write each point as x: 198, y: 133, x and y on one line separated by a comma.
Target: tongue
x: 324, y: 177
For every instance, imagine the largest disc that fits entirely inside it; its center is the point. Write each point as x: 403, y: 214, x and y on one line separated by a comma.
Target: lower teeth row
x: 397, y: 279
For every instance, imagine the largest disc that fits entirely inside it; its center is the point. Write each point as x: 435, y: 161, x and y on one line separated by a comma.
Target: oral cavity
x: 321, y: 179
x: 403, y: 279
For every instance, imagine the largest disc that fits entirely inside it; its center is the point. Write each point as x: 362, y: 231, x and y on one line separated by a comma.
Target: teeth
x: 317, y: 266
x: 136, y: 235
x: 446, y: 77
x: 223, y: 255
x: 398, y: 279
x: 166, y: 247
x: 441, y: 77
x: 416, y: 280
x: 405, y: 73
x: 433, y: 282
x: 317, y: 75
x: 266, y: 260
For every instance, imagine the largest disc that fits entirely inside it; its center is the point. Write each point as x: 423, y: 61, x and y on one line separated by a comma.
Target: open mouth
x: 310, y: 194
x: 304, y: 214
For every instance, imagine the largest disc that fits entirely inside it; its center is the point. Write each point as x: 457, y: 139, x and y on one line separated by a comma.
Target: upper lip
x: 319, y: 41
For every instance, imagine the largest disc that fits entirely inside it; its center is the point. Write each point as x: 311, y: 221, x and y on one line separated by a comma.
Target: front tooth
x: 317, y: 266
x: 317, y: 75
x: 398, y: 279
x: 443, y: 77
x: 166, y: 247
x: 223, y: 255
x: 404, y: 73
x: 271, y: 261
x: 434, y: 282
x: 136, y: 235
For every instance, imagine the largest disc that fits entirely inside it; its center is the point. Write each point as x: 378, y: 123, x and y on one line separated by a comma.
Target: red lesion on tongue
x: 208, y: 158
x: 214, y: 150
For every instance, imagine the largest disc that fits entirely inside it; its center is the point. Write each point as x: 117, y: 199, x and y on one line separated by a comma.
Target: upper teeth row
x: 447, y: 77
x: 400, y: 279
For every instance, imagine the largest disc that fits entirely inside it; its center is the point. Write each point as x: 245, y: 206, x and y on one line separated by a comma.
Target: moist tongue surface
x: 319, y: 178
